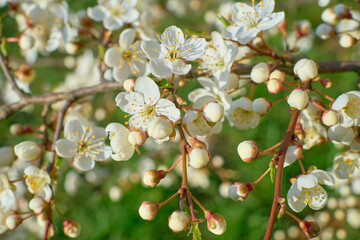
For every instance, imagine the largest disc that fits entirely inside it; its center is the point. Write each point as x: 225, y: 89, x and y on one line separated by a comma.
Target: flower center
x: 243, y: 116
x: 127, y: 54
x: 36, y: 183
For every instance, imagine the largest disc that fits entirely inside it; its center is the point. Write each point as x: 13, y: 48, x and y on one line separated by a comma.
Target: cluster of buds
x: 276, y: 81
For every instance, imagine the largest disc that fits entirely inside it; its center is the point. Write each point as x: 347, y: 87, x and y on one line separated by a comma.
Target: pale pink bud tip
x: 311, y: 229
x: 72, y: 229
x: 153, y: 177
x: 13, y: 221
x: 148, y: 210
x: 215, y: 222
x: 239, y: 191
x: 248, y: 151
x: 179, y: 221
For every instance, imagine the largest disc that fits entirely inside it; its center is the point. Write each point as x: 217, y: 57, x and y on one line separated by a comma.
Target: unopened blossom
x: 199, y: 157
x: 72, y: 229
x: 345, y: 164
x: 293, y: 153
x: 148, y: 210
x: 196, y: 123
x: 329, y: 16
x: 179, y: 221
x: 248, y: 151
x: 129, y: 84
x: 242, y: 115
x: 348, y: 106
x: 122, y: 141
x: 346, y: 41
x: 37, y: 204
x: 38, y: 182
x: 26, y: 42
x: 27, y: 150
x: 85, y: 144
x: 137, y: 138
x: 307, y: 190
x: 324, y: 31
x: 341, y: 134
x: 218, y: 59
x: 7, y: 196
x: 127, y: 59
x: 114, y: 13
x: 13, y: 221
x: 330, y: 117
x: 153, y: 177
x: 168, y: 56
x: 213, y: 112
x: 215, y: 222
x: 298, y: 99
x: 161, y: 128
x: 275, y: 86
x: 278, y: 75
x: 311, y: 229
x: 144, y: 104
x: 239, y: 191
x: 246, y: 22
x: 306, y: 69
x: 260, y: 73
x: 261, y: 106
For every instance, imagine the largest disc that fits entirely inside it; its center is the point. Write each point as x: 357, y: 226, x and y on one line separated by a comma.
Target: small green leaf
x: 164, y: 84
x: 101, y: 51
x: 58, y: 162
x: 197, y: 33
x: 3, y: 47
x: 272, y: 173
x: 224, y: 21
x: 196, y: 231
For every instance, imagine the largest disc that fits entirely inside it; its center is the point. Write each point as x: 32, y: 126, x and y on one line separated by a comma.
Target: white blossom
x: 7, y: 196
x: 38, y: 182
x: 144, y: 104
x: 83, y: 143
x: 167, y: 58
x: 247, y: 22
x: 127, y: 59
x: 341, y: 134
x: 114, y: 13
x: 307, y: 189
x: 348, y: 106
x: 345, y: 164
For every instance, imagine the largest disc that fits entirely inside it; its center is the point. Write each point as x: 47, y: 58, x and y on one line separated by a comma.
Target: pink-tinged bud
x: 298, y: 99
x: 26, y: 42
x: 148, y: 210
x: 239, y: 191
x: 153, y: 177
x: 275, y: 86
x: 194, y: 142
x: 16, y: 129
x: 161, y: 127
x: 342, y: 11
x: 25, y: 73
x: 215, y: 222
x: 199, y: 157
x: 311, y: 229
x: 261, y: 106
x: 306, y: 69
x: 260, y: 73
x: 330, y: 117
x: 37, y: 204
x: 248, y: 151
x: 13, y: 221
x: 213, y: 112
x: 137, y: 138
x: 28, y: 151
x: 129, y: 84
x: 346, y: 41
x: 72, y: 229
x: 179, y: 221
x: 326, y: 82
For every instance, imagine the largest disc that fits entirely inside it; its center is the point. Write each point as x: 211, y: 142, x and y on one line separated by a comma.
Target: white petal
x: 319, y: 199
x: 31, y: 170
x: 325, y: 177
x: 120, y: 143
x: 127, y: 37
x: 112, y: 23
x: 266, y: 10
x: 101, y: 153
x: 123, y: 156
x: 148, y: 88
x: 122, y: 73
x: 340, y: 102
x: 218, y: 42
x: 116, y: 128
x: 272, y: 21
x: 158, y: 67
x: 130, y: 102
x: 96, y: 13
x: 193, y: 48
x: 113, y: 57
x: 83, y: 163
x: 173, y: 36
x: 65, y: 148
x: 167, y: 108
x: 180, y: 68
x: 130, y: 15
x: 247, y: 35
x: 149, y: 48
x: 208, y: 84
x: 45, y: 193
x: 194, y: 95
x: 307, y: 181
x: 73, y: 130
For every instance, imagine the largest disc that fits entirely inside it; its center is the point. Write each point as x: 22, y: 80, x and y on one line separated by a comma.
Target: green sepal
x: 223, y: 20
x: 196, y: 231
x: 164, y: 84
x: 58, y: 162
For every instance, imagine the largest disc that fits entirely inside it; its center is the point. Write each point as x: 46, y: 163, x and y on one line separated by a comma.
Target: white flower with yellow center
x: 218, y: 59
x: 114, y: 13
x: 7, y: 196
x: 307, y: 190
x: 127, y: 59
x: 38, y: 181
x: 242, y: 115
x: 345, y: 164
x: 83, y: 143
x: 168, y: 57
x: 144, y: 104
x: 348, y: 105
x: 195, y: 122
x: 247, y: 22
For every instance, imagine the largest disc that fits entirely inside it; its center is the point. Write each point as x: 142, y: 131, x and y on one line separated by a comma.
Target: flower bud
x: 260, y: 73
x: 6, y: 156
x: 137, y: 138
x: 215, y: 222
x: 25, y: 73
x: 153, y: 177
x: 26, y: 42
x: 239, y: 191
x: 342, y: 11
x: 248, y: 151
x: 293, y: 153
x: 329, y: 16
x: 213, y: 112
x: 275, y: 86
x: 13, y: 221
x: 37, y: 204
x: 129, y: 84
x: 278, y: 75
x: 148, y: 210
x: 326, y: 82
x: 199, y: 157
x: 330, y: 117
x: 72, y: 229
x: 311, y: 229
x: 179, y: 221
x: 261, y: 106
x: 16, y: 129
x: 298, y: 99
x: 324, y: 31
x: 306, y: 69
x: 160, y: 128
x: 27, y: 150
x: 346, y: 40
x: 196, y: 143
